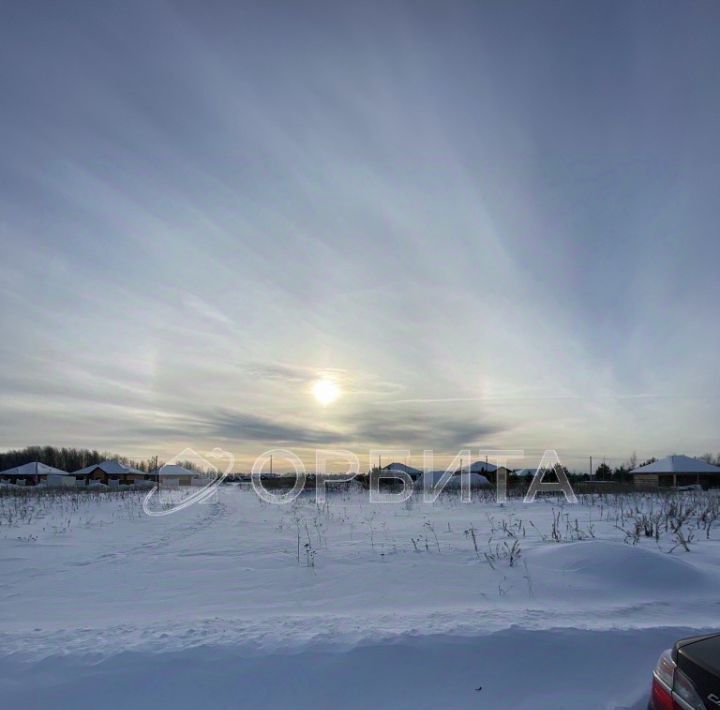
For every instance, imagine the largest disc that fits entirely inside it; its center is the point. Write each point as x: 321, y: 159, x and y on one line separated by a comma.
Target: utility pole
x: 591, y: 467
x: 271, y: 464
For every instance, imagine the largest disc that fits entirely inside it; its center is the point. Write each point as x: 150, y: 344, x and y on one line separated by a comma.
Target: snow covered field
x: 237, y: 603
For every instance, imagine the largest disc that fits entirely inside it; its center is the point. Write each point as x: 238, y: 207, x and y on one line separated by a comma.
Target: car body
x: 687, y: 676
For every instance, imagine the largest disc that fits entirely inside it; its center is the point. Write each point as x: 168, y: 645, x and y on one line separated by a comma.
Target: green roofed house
x: 676, y: 471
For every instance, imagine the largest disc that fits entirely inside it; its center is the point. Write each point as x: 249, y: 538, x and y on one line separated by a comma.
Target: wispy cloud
x: 489, y: 224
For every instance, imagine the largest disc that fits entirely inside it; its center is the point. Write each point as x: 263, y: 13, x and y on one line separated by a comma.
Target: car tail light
x: 685, y: 690
x: 671, y: 688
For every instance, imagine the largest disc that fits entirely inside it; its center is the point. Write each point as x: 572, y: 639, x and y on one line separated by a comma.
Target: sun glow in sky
x: 326, y: 391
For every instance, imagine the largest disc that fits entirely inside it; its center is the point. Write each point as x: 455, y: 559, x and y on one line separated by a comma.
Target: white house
x: 172, y: 475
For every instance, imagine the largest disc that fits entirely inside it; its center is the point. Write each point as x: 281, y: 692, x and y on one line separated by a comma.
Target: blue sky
x: 491, y: 224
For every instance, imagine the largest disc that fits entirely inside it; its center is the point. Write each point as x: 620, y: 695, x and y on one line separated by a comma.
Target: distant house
x: 482, y: 473
x: 477, y: 480
x: 30, y: 474
x: 171, y: 475
x: 482, y: 467
x: 485, y: 469
x: 414, y: 473
x: 676, y: 471
x: 111, y: 473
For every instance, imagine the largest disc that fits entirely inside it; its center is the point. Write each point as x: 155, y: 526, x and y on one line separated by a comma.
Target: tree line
x: 68, y: 459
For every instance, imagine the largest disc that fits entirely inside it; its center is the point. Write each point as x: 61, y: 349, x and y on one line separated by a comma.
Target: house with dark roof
x: 34, y: 473
x: 110, y: 473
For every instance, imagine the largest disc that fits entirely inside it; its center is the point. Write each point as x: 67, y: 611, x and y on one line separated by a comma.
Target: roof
x: 402, y: 467
x: 476, y: 479
x: 35, y: 468
x: 479, y: 466
x: 677, y: 464
x: 109, y: 467
x: 525, y: 472
x: 172, y: 469
x: 476, y: 467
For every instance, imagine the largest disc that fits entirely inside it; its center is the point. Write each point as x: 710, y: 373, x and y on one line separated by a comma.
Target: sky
x: 490, y: 225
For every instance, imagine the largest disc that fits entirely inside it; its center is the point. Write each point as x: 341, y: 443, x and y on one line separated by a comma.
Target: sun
x: 325, y: 392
